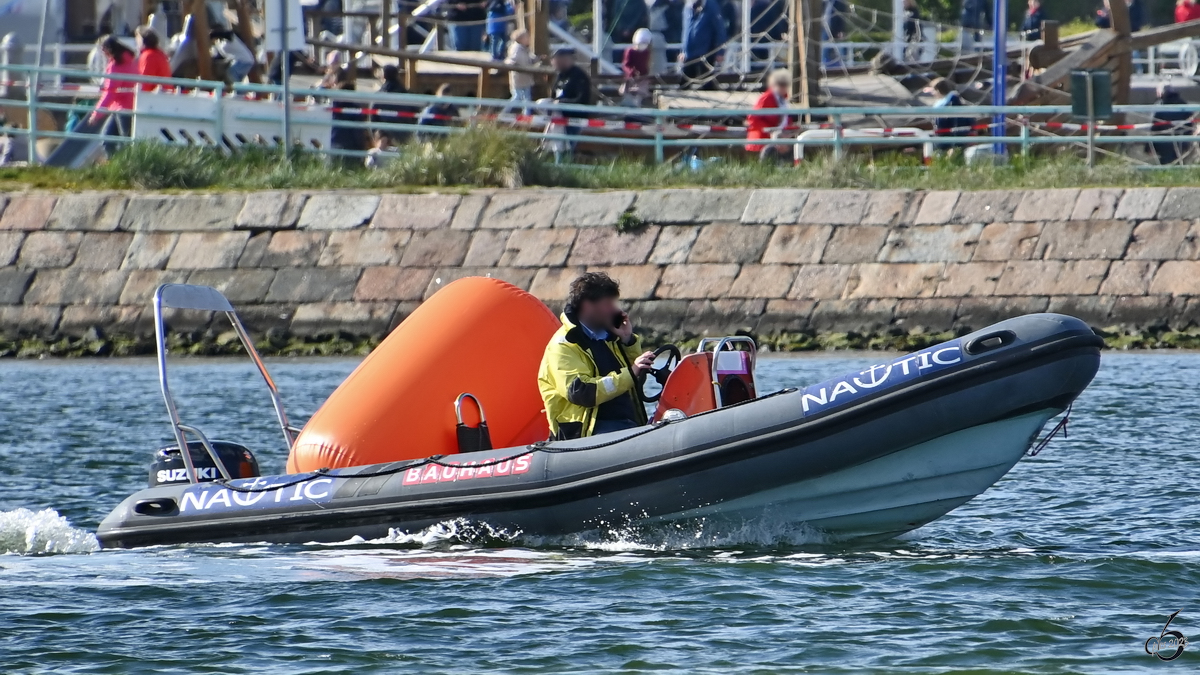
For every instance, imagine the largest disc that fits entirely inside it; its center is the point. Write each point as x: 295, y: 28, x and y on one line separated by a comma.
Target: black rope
x: 1061, y: 426
x: 539, y: 446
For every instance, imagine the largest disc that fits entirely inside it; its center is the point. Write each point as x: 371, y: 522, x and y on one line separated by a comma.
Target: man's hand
x: 625, y: 330
x: 643, y: 363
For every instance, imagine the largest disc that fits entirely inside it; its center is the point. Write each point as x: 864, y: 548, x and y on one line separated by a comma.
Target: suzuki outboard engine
x: 168, y: 467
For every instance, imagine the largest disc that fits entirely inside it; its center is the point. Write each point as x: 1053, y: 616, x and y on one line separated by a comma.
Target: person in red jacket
x: 1186, y: 10
x: 152, y: 62
x: 759, y: 127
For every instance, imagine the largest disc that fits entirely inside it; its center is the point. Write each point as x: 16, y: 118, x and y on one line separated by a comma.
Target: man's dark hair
x: 149, y: 37
x: 591, y: 286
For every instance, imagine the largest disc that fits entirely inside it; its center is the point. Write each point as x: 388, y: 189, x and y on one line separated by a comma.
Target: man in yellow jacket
x: 589, y: 372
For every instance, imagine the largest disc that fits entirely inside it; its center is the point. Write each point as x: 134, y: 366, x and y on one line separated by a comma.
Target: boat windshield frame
x: 206, y: 299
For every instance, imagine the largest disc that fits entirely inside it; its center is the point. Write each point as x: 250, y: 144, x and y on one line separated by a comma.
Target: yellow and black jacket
x: 573, y: 389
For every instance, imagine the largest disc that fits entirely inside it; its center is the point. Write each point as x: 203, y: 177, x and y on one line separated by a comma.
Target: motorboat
x: 868, y: 454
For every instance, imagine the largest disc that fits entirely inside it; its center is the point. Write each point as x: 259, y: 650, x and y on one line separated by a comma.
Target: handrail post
x: 1025, y: 136
x: 285, y: 74
x: 219, y: 122
x: 837, y: 138
x: 32, y: 82
x: 31, y: 86
x: 658, y: 138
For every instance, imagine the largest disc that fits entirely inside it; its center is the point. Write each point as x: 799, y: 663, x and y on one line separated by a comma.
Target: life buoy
x: 477, y: 335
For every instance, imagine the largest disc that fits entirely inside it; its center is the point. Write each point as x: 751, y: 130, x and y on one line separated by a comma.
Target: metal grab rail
x: 205, y: 299
x: 726, y: 344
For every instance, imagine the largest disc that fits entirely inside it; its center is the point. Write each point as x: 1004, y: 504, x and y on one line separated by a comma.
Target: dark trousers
x: 116, y: 124
x: 700, y: 71
x: 606, y: 426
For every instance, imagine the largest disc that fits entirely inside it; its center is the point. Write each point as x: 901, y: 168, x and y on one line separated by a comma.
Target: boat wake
x: 691, y: 534
x: 463, y: 548
x: 27, y: 532
x: 699, y: 534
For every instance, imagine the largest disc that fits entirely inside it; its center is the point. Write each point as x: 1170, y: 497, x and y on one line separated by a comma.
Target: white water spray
x: 27, y: 532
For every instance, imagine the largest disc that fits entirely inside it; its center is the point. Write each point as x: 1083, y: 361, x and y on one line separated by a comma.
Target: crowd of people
x: 702, y: 27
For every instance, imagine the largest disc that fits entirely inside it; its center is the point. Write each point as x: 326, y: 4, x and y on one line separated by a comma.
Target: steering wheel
x: 661, y: 373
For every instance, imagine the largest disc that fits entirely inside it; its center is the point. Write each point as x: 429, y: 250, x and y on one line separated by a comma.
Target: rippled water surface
x: 1068, y: 564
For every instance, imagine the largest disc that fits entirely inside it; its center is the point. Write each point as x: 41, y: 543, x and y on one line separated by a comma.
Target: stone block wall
x: 705, y: 262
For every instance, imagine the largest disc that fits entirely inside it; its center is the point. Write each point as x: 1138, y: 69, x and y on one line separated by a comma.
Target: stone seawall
x: 697, y: 261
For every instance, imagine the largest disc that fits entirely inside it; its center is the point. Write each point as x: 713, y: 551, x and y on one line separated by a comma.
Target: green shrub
x: 483, y: 156
x: 154, y: 166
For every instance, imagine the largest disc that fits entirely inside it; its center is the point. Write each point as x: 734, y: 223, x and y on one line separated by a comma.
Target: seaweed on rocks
x: 279, y: 344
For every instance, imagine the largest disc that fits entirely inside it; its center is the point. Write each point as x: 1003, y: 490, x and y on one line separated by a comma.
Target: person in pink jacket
x: 116, y: 94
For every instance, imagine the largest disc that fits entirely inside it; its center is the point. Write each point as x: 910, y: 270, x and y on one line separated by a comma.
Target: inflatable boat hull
x: 871, y: 454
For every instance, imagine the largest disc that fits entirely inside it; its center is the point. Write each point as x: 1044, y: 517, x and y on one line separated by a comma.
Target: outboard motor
x: 168, y: 467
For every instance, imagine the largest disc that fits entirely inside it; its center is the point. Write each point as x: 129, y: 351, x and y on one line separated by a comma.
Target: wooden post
x: 1118, y: 13
x: 385, y: 22
x: 245, y: 31
x: 200, y: 39
x: 1050, y: 35
x: 805, y: 55
x: 812, y: 52
x: 539, y: 41
x: 539, y: 30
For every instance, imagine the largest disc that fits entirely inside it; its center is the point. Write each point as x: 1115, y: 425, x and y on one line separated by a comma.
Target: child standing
x: 521, y: 84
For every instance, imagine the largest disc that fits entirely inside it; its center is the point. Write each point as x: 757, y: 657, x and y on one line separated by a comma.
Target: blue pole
x: 999, y: 68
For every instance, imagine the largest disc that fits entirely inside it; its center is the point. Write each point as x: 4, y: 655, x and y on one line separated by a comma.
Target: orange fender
x: 477, y: 335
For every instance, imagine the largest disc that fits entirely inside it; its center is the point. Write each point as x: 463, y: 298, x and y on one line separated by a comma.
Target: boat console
x: 719, y: 373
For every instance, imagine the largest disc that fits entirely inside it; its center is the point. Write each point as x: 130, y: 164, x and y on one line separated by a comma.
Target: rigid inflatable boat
x: 870, y: 454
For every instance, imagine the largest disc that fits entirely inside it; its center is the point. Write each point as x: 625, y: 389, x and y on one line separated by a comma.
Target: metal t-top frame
x: 206, y: 299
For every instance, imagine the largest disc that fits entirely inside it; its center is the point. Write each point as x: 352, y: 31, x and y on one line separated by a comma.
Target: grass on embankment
x: 490, y: 157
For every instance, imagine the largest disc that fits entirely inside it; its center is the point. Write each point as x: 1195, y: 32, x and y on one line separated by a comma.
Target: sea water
x: 1069, y: 564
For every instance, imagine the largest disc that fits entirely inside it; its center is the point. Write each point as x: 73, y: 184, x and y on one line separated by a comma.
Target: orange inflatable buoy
x: 477, y: 335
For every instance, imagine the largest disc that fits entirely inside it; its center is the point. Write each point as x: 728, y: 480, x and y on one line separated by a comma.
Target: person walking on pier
x: 1031, y: 28
x: 467, y: 21
x: 703, y: 45
x: 152, y: 62
x: 116, y: 95
x: 976, y: 17
x: 499, y: 15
